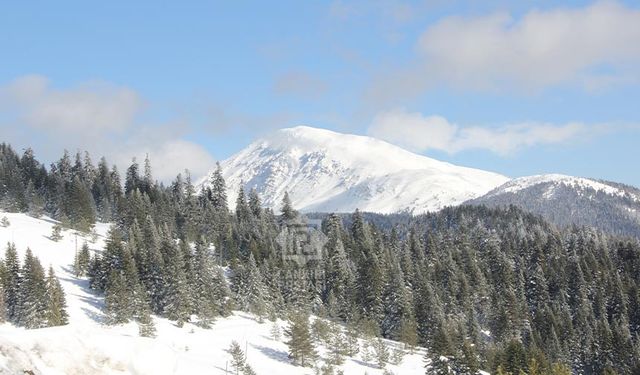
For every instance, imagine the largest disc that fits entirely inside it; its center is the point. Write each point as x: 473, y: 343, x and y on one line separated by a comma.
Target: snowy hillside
x: 579, y: 184
x: 567, y: 200
x: 87, y: 346
x: 331, y: 172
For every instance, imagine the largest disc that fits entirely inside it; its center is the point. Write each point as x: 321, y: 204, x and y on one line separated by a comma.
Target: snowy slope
x: 579, y: 184
x: 86, y: 346
x: 567, y: 200
x: 332, y: 172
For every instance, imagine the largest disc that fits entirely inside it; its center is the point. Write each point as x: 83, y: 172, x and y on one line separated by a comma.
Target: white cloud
x: 90, y: 108
x: 542, y: 48
x: 169, y: 157
x: 593, y: 47
x: 421, y: 133
x: 99, y: 117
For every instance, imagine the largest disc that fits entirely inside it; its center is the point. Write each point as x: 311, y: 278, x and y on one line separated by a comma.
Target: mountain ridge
x: 567, y: 200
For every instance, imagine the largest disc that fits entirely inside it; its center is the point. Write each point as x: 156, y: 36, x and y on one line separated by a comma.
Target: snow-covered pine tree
x: 275, y: 331
x: 352, y: 343
x: 397, y: 307
x: 243, y: 212
x: 32, y: 307
x: 248, y: 370
x: 11, y: 281
x: 82, y: 260
x: 254, y: 204
x: 118, y: 306
x: 132, y: 178
x: 249, y: 288
x: 210, y: 290
x: 218, y: 190
x: 237, y: 357
x: 301, y: 347
x: 381, y: 352
x: 56, y: 301
x: 3, y: 305
x: 151, y: 265
x: 338, y: 344
x: 340, y: 277
x: 176, y: 293
x: 146, y: 327
x: 320, y: 331
x: 80, y: 206
x: 56, y: 233
x: 287, y: 212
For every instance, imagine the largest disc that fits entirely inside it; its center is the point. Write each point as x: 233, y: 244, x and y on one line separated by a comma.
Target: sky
x: 518, y: 88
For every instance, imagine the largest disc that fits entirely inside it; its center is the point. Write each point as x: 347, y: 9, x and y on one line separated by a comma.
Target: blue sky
x: 520, y: 89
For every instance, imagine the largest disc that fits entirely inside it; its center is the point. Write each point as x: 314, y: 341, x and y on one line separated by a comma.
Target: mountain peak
x: 324, y: 170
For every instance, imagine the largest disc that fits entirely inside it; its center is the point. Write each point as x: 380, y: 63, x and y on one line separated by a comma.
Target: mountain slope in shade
x: 332, y: 172
x: 567, y: 200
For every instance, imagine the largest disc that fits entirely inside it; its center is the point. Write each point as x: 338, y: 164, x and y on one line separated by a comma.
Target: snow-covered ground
x: 86, y: 346
x: 327, y: 171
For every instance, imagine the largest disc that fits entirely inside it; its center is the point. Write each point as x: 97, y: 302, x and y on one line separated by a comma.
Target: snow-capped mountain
x: 332, y: 172
x: 567, y: 200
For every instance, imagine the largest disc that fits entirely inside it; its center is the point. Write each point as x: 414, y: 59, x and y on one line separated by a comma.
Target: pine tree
x: 56, y: 233
x: 218, y: 190
x: 254, y: 204
x: 147, y: 180
x: 237, y: 357
x: 562, y: 369
x: 248, y: 370
x: 352, y: 344
x: 340, y: 278
x: 287, y: 212
x: 210, y: 289
x: 56, y: 301
x: 80, y: 207
x: 275, y: 331
x: 320, y: 331
x: 3, y: 305
x: 439, y: 365
x: 11, y: 282
x: 243, y: 212
x: 338, y: 345
x: 82, y: 261
x: 470, y: 359
x: 32, y: 308
x: 132, y: 179
x: 397, y: 308
x: 301, y: 347
x: 146, y: 327
x: 382, y: 352
x: 118, y: 306
x: 249, y: 288
x: 176, y: 297
x: 151, y: 265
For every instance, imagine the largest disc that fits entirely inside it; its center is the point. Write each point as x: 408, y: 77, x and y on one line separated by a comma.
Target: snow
x: 332, y: 172
x: 86, y: 346
x: 577, y: 183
